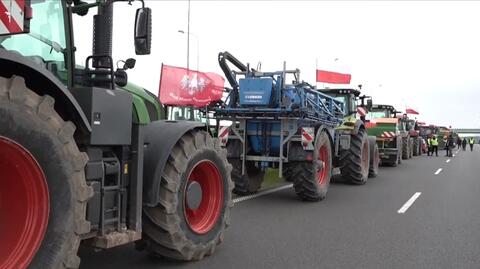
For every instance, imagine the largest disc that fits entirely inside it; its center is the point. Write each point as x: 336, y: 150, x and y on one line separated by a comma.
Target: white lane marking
x: 438, y: 171
x: 409, y: 203
x: 256, y: 195
x: 448, y: 160
x: 453, y: 155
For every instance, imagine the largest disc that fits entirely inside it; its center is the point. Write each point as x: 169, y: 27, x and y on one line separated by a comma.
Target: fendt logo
x: 12, y: 16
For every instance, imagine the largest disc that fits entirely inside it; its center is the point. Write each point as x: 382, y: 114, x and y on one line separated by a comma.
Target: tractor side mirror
x: 143, y: 31
x: 369, y: 104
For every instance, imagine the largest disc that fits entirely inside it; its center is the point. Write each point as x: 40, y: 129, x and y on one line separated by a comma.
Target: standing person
x: 471, y: 141
x: 429, y: 146
x: 464, y: 144
x: 434, y: 142
x: 450, y: 145
x: 459, y: 142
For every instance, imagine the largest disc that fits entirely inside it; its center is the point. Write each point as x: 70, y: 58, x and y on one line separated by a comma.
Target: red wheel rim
x: 24, y: 205
x: 365, y: 162
x: 203, y: 218
x: 324, y: 158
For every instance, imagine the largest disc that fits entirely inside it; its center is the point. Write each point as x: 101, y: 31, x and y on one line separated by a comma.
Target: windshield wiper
x: 54, y: 45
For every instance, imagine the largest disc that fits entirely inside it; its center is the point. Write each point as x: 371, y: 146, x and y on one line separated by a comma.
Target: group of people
x: 463, y: 143
x: 432, y: 145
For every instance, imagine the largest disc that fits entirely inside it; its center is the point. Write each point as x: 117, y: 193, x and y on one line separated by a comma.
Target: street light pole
x: 197, y: 39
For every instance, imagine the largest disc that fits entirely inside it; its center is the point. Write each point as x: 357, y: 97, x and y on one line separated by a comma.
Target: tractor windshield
x: 376, y: 114
x: 350, y: 104
x: 46, y: 40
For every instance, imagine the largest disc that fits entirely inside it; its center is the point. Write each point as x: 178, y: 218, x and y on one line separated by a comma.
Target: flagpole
x: 316, y: 68
x: 188, y: 38
x: 192, y: 118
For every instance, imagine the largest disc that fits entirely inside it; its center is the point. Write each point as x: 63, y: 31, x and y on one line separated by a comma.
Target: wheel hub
x: 194, y: 195
x: 322, y: 165
x: 204, y: 197
x: 24, y: 205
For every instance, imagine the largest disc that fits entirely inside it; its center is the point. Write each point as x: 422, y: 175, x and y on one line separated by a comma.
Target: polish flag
x: 333, y: 77
x: 333, y: 71
x: 411, y: 111
x: 182, y: 87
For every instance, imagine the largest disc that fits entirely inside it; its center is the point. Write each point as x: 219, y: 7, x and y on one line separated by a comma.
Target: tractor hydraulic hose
x: 223, y: 57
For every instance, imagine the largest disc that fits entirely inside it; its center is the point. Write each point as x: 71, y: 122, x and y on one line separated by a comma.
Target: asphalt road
x: 355, y: 227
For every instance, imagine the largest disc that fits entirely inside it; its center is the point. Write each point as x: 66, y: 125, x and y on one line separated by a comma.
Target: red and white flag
x: 12, y: 14
x: 182, y: 87
x: 411, y: 111
x: 333, y: 77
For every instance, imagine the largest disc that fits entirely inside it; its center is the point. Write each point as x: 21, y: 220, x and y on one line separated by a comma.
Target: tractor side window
x: 46, y: 41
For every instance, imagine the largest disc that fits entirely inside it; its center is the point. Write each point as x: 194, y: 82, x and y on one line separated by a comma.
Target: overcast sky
x: 423, y: 55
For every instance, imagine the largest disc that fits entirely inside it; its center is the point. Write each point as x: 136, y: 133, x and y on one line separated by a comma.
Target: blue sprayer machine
x: 276, y: 124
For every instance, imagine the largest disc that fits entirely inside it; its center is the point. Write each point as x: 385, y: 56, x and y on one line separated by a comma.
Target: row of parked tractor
x: 309, y: 133
x: 87, y: 157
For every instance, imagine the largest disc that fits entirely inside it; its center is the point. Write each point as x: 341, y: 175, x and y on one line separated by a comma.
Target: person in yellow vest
x: 429, y: 146
x: 434, y: 142
x: 471, y: 141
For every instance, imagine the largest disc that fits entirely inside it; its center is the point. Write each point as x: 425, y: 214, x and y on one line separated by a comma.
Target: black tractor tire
x: 251, y: 181
x: 248, y: 183
x: 398, y: 156
x: 411, y: 148
x: 166, y: 228
x: 399, y: 151
x: 374, y: 157
x: 406, y: 148
x: 305, y: 174
x: 420, y: 146
x: 31, y: 121
x: 355, y: 162
x: 416, y: 146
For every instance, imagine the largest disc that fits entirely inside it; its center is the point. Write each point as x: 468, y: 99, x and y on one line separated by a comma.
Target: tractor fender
x: 296, y: 151
x: 40, y: 80
x: 159, y: 139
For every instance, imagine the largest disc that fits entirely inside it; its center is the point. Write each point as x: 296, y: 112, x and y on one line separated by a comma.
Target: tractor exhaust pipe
x: 102, y: 36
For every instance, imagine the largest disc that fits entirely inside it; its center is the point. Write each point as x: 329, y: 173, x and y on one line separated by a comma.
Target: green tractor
x: 357, y: 153
x: 407, y: 140
x: 385, y: 126
x: 413, y: 130
x: 442, y: 135
x: 83, y: 154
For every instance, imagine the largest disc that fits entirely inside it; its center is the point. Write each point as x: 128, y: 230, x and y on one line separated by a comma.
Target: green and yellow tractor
x: 357, y: 153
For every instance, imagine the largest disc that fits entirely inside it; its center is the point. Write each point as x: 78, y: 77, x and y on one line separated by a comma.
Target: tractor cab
x: 381, y: 111
x: 427, y: 131
x: 348, y: 96
x: 355, y: 104
x: 47, y: 40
